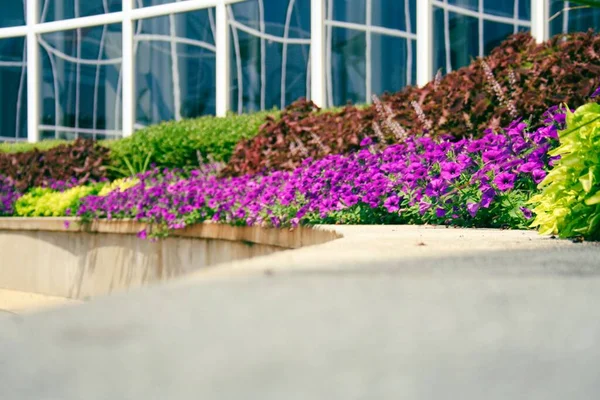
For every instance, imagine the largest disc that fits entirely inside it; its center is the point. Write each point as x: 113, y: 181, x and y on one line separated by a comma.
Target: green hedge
x: 177, y: 144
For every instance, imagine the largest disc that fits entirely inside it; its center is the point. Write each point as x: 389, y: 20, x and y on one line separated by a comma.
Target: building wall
x: 370, y: 46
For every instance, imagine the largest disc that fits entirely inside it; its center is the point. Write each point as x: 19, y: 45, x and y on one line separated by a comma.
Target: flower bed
x: 482, y: 182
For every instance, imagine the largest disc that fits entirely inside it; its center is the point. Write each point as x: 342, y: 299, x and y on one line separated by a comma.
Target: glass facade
x: 370, y: 47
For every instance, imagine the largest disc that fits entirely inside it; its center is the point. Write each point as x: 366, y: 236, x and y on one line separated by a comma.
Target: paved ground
x: 14, y: 302
x: 427, y: 314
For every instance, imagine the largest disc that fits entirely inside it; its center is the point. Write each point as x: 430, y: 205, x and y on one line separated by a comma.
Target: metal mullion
x: 317, y: 53
x: 424, y: 42
x: 368, y: 55
x: 222, y: 39
x: 33, y: 73
x: 127, y: 70
x: 540, y: 15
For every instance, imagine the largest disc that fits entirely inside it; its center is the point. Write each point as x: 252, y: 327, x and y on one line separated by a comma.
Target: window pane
x: 13, y: 86
x: 472, y: 5
x: 56, y: 10
x: 393, y: 14
x: 269, y: 59
x: 281, y: 18
x: 175, y: 67
x: 13, y: 13
x: 348, y: 66
x: 573, y: 20
x: 457, y: 37
x: 81, y: 83
x: 495, y: 33
x: 347, y: 10
x: 392, y: 70
x: 517, y: 9
x: 458, y: 31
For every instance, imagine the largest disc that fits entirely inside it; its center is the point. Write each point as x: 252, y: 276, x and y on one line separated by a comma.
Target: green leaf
x: 594, y: 199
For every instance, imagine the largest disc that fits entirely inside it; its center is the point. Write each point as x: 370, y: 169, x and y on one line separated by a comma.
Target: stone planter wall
x: 47, y: 256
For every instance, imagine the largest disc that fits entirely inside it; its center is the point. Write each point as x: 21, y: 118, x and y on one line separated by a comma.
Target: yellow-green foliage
x: 569, y: 204
x: 119, y: 184
x: 42, y: 202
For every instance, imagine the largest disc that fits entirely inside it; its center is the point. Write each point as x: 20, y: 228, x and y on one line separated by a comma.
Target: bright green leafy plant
x: 569, y: 204
x: 46, y: 202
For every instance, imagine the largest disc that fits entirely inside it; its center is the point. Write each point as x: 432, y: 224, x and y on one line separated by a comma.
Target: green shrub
x: 179, y: 144
x: 569, y: 204
x: 44, y: 202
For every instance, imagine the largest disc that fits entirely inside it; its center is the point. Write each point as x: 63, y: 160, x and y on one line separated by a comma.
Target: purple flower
x: 440, y: 212
x: 472, y: 208
x: 505, y: 181
x: 528, y: 167
x: 596, y: 93
x: 391, y: 204
x: 492, y: 155
x: 424, y: 207
x: 487, y: 196
x: 143, y: 234
x: 538, y: 175
x: 436, y: 188
x: 366, y: 142
x: 526, y: 212
x: 450, y: 170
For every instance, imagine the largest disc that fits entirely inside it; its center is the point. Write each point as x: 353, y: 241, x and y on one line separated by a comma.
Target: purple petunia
x: 538, y: 175
x: 505, y: 181
x: 450, y: 170
x: 436, y: 188
x: 472, y: 208
x: 391, y: 204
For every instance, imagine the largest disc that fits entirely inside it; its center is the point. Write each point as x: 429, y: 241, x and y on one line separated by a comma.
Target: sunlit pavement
x: 517, y: 321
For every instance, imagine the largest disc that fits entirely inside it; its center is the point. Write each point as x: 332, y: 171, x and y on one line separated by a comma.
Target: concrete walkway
x: 15, y: 302
x: 384, y: 313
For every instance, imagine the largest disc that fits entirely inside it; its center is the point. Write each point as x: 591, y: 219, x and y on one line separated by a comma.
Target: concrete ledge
x: 62, y: 257
x: 285, y: 238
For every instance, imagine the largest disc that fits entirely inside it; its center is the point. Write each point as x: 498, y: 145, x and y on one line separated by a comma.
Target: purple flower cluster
x: 470, y: 182
x: 8, y: 196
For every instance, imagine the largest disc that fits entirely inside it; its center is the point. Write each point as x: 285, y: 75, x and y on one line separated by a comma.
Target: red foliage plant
x: 82, y: 160
x: 518, y: 78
